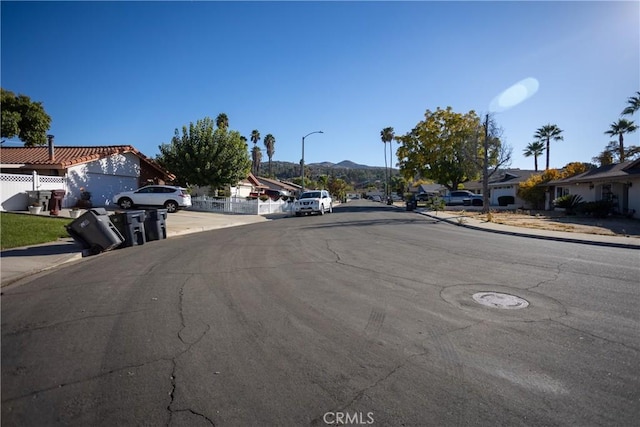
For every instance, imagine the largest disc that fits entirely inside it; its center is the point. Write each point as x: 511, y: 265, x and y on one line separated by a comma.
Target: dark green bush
x: 598, y: 209
x: 570, y: 202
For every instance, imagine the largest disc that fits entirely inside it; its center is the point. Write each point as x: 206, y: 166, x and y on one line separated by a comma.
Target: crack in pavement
x: 196, y: 414
x: 597, y: 336
x: 358, y: 395
x: 188, y: 345
x: 54, y: 325
x: 380, y: 273
x: 112, y: 371
x: 553, y: 279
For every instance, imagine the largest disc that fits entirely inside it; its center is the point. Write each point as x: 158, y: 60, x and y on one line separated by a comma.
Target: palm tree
x: 269, y: 143
x: 619, y: 128
x: 255, y: 152
x: 547, y: 133
x: 386, y: 135
x: 256, y: 156
x: 222, y: 121
x: 255, y: 136
x: 634, y: 105
x: 534, y: 149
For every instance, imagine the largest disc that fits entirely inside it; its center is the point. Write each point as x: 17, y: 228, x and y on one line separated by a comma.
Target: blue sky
x: 112, y: 73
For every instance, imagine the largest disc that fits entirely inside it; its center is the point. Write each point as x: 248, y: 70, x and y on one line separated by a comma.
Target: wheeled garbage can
x: 39, y: 198
x: 131, y: 225
x: 95, y: 231
x: 155, y: 224
x: 55, y: 202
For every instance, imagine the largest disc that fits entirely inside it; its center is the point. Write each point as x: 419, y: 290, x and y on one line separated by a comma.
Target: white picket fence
x: 14, y: 187
x: 239, y: 205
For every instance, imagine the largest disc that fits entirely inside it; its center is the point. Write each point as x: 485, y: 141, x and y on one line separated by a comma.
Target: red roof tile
x: 65, y: 156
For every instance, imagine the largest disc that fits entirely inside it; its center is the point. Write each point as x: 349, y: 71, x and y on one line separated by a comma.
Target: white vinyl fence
x: 14, y: 189
x: 239, y: 205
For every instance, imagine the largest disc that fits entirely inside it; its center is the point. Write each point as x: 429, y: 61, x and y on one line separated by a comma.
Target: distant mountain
x: 345, y: 164
x: 355, y: 174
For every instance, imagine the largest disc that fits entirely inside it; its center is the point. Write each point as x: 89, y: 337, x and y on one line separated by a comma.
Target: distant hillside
x: 353, y: 173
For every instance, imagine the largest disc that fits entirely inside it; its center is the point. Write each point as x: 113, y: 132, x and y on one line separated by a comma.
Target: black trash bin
x: 411, y: 204
x: 95, y: 231
x: 131, y: 225
x: 155, y: 224
x: 39, y: 198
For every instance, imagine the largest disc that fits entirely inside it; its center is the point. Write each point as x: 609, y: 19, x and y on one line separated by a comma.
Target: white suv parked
x: 167, y: 196
x: 313, y: 201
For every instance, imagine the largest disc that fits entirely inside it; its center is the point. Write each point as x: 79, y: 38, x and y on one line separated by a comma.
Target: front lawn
x: 23, y: 230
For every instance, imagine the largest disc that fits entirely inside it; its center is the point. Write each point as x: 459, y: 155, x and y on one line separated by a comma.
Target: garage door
x: 104, y: 187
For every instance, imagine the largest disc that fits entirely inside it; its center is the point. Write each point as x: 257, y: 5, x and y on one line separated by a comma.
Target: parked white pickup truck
x: 318, y: 201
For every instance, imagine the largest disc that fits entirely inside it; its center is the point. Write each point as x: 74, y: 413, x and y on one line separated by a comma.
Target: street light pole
x: 302, y: 161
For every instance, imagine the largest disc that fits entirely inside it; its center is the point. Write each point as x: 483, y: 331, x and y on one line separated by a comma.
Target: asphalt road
x: 366, y: 315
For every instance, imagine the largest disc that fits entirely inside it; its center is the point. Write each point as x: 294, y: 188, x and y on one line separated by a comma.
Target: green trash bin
x: 95, y: 231
x: 131, y: 225
x: 155, y: 224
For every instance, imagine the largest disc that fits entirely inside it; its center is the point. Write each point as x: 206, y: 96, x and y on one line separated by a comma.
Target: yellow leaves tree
x: 532, y: 190
x: 437, y: 148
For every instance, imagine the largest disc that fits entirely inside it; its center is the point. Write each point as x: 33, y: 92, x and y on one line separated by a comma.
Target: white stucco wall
x: 105, y: 177
x: 634, y: 197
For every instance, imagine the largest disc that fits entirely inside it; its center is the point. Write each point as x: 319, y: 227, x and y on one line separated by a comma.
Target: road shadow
x: 53, y: 249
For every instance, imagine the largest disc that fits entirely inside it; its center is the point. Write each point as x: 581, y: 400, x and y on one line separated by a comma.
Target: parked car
x: 317, y: 201
x: 376, y: 198
x: 477, y: 200
x: 460, y: 197
x: 167, y: 196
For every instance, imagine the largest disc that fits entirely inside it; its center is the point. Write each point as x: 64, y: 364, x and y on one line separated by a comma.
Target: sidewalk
x: 17, y: 263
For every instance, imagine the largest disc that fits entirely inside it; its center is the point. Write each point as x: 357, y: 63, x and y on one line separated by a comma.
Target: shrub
x: 597, y: 209
x: 569, y: 202
x: 532, y: 191
x: 436, y: 204
x: 506, y: 200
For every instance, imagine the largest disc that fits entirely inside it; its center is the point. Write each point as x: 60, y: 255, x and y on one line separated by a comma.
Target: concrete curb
x: 557, y: 238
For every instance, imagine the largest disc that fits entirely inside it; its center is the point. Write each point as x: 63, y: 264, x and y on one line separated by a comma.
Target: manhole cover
x: 500, y: 300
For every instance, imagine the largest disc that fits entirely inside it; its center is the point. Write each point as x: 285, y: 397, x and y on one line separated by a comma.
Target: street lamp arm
x: 302, y: 161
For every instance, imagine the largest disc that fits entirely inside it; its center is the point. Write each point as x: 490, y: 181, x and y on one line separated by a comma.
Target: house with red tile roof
x: 101, y: 170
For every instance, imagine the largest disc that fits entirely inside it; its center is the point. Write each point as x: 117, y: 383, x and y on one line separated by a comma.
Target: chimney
x: 51, y: 152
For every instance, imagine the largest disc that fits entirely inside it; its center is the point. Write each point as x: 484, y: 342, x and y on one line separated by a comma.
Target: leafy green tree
x: 534, y: 149
x: 323, y: 181
x: 205, y: 156
x: 633, y: 105
x: 338, y: 188
x: 222, y: 121
x: 620, y: 128
x: 605, y: 157
x: 547, y: 133
x: 611, y: 153
x: 270, y: 143
x: 436, y: 148
x: 387, y: 135
x: 24, y: 119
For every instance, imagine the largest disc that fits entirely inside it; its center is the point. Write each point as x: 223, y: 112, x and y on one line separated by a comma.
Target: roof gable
x: 67, y: 156
x: 616, y: 170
